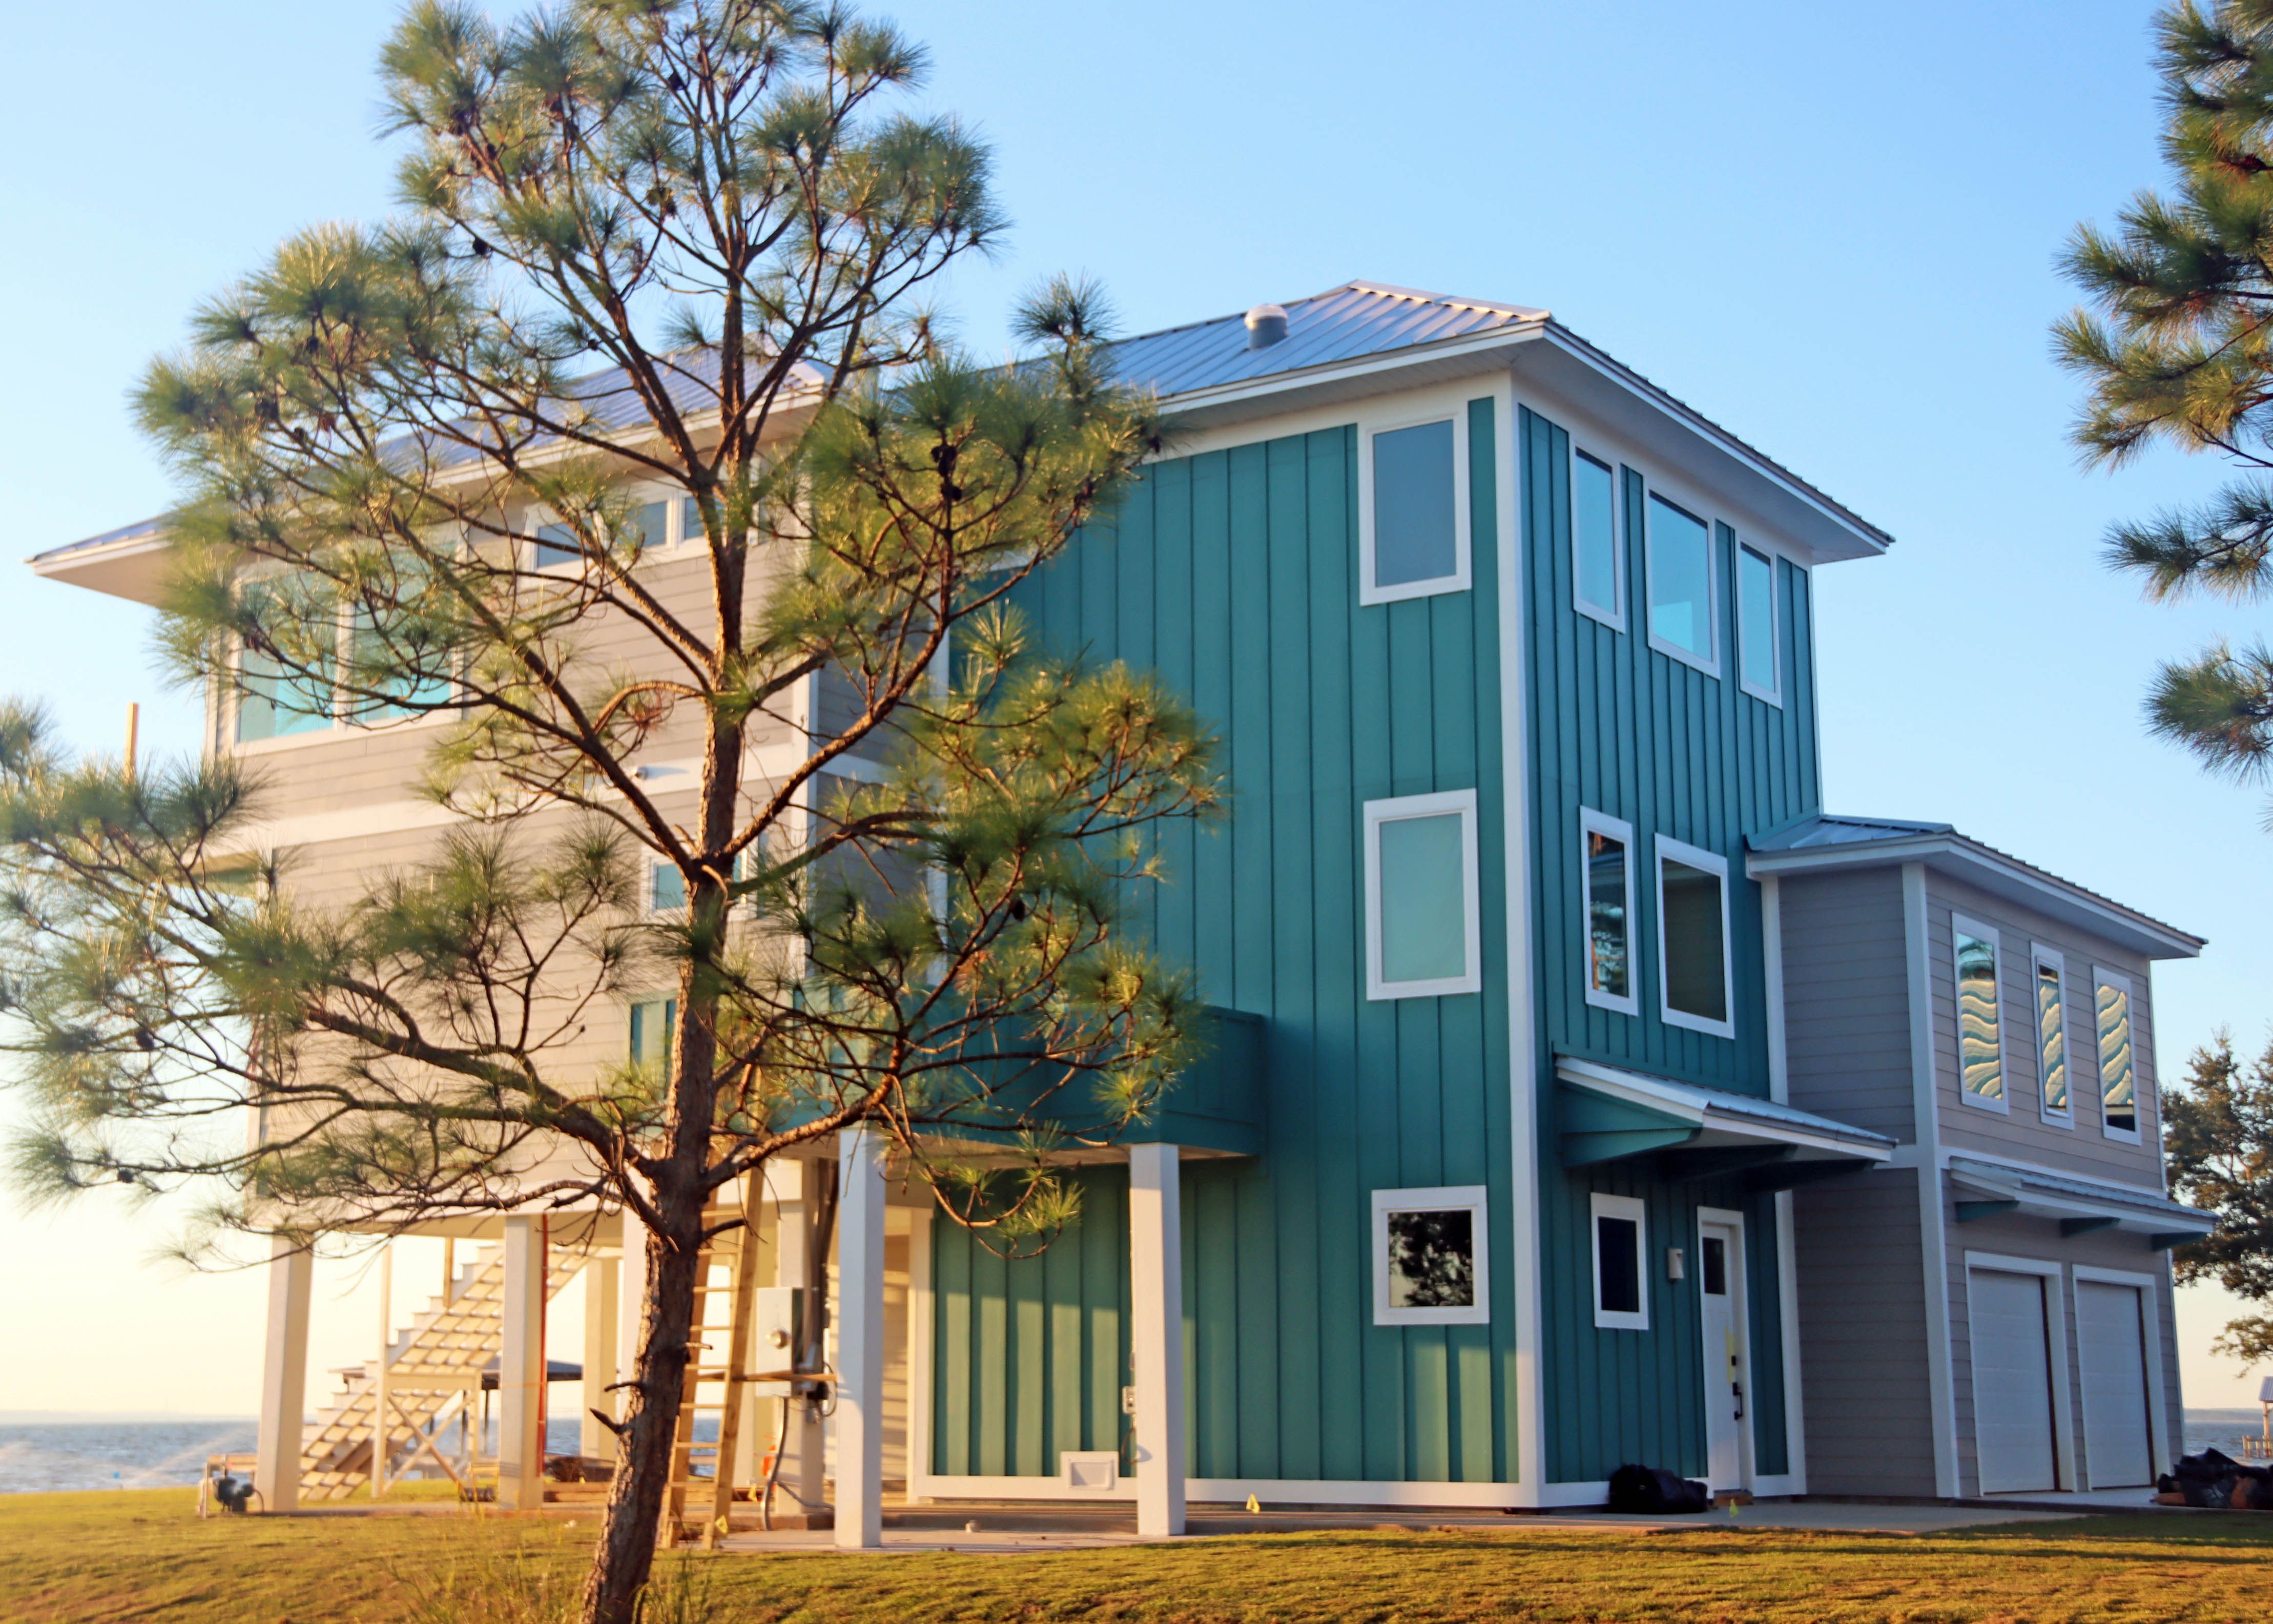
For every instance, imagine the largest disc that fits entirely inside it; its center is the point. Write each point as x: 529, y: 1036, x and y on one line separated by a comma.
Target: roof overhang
x: 2080, y: 1205
x: 1990, y: 870
x: 1609, y: 1114
x: 128, y: 563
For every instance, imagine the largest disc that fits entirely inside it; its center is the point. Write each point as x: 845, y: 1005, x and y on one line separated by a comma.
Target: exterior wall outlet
x: 1676, y: 1264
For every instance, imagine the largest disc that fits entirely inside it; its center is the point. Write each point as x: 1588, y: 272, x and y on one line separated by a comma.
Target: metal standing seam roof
x: 1349, y: 322
x: 1825, y: 831
x: 1580, y: 1072
x: 1992, y: 1174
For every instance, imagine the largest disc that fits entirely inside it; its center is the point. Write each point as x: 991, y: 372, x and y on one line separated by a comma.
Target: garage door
x: 2012, y: 1381
x: 2110, y: 1347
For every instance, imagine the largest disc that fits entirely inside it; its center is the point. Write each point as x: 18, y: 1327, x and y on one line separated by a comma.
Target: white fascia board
x: 1999, y: 876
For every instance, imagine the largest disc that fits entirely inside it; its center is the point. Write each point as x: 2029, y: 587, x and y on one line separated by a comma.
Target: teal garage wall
x: 1233, y: 574
x: 1615, y: 726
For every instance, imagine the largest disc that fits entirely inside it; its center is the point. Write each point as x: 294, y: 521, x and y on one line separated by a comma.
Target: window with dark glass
x: 1432, y: 1259
x: 1692, y: 927
x: 1618, y: 1251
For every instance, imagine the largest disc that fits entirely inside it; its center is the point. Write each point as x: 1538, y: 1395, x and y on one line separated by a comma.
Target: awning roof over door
x: 1609, y: 1114
x: 1986, y: 1189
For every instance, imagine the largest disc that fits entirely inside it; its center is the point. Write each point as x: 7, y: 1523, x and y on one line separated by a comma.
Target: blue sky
x: 1831, y: 230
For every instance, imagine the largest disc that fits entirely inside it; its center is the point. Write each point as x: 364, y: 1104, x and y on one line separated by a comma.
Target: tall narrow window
x: 2118, y: 1096
x: 1423, y: 936
x: 668, y: 889
x: 1621, y: 1242
x: 1413, y: 510
x: 1594, y: 571
x: 654, y: 1022
x: 2051, y: 1036
x: 1980, y: 1031
x: 1606, y: 852
x: 1692, y: 929
x: 1757, y: 665
x: 1681, y: 584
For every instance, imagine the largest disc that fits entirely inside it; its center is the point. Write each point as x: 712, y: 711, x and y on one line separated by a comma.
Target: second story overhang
x: 1823, y: 844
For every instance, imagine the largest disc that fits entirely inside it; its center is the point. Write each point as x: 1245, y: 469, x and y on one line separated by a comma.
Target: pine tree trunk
x: 626, y: 1555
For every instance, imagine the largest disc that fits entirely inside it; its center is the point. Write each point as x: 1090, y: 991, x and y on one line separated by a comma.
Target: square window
x: 1692, y: 929
x: 1758, y: 662
x: 1413, y: 509
x: 272, y: 705
x: 1621, y: 1241
x: 1423, y: 938
x: 555, y: 544
x: 2118, y: 1088
x: 667, y: 888
x: 1980, y: 1025
x: 1681, y: 585
x: 1606, y: 856
x: 2051, y: 1036
x: 646, y: 527
x: 1596, y: 568
x: 653, y: 1023
x: 1429, y: 1257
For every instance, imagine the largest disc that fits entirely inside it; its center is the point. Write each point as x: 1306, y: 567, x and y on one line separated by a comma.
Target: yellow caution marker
x: 1254, y: 1504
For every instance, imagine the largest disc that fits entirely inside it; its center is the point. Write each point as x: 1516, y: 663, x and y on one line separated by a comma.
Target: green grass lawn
x: 142, y: 1556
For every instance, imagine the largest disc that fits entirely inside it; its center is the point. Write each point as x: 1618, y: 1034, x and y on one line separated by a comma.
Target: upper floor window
x: 1692, y: 930
x: 1606, y: 855
x: 1681, y: 596
x: 1413, y: 515
x: 1758, y: 658
x: 1980, y: 1030
x: 1597, y: 567
x: 555, y: 544
x: 272, y: 705
x: 666, y: 887
x: 1423, y: 933
x: 2052, y: 1034
x: 2118, y: 1095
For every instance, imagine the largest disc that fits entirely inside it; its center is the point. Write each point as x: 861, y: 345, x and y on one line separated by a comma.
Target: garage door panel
x: 2110, y: 1349
x: 2011, y: 1383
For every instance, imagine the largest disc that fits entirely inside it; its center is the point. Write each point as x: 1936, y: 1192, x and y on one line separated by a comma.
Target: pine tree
x: 683, y: 244
x: 2178, y: 350
x: 2219, y: 1135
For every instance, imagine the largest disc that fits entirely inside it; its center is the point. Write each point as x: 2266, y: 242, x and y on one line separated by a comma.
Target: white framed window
x: 1423, y: 933
x: 1413, y: 504
x: 1621, y: 1231
x: 2119, y: 1070
x: 2048, y: 986
x: 1606, y: 867
x: 666, y: 887
x: 1693, y: 938
x: 654, y: 1022
x: 1684, y: 596
x: 1759, y: 633
x: 1598, y: 564
x: 1975, y: 955
x: 1429, y: 1263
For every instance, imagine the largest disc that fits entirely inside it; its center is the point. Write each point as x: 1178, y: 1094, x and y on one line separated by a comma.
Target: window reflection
x: 1605, y: 915
x: 2118, y: 1092
x: 1680, y: 579
x: 1980, y: 1057
x: 2051, y: 1038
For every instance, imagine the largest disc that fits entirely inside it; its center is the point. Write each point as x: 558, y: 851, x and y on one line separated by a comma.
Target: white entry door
x: 2110, y: 1330
x: 2012, y: 1381
x: 1721, y: 1288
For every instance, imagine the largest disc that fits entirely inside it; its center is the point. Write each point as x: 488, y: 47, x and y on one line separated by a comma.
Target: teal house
x: 1596, y: 1107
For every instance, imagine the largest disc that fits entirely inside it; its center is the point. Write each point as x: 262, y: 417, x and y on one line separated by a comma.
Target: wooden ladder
x: 736, y: 1257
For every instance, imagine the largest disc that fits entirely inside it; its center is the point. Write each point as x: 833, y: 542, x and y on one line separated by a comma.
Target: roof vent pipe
x: 1266, y: 325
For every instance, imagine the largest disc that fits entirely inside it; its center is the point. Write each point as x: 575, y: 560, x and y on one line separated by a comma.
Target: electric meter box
x: 776, y: 1337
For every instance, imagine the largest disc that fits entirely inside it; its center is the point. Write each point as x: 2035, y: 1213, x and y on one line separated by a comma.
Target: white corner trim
x: 1772, y: 960
x: 1933, y: 1243
x: 1795, y: 1409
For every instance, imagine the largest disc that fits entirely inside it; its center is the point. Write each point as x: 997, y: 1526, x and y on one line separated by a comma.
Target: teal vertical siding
x: 1617, y: 727
x: 1233, y: 574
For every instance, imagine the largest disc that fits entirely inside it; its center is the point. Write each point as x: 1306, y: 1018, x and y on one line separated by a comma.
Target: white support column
x: 601, y: 1315
x: 284, y: 1376
x: 382, y: 1418
x: 795, y: 1187
x: 1156, y: 1282
x: 631, y: 1309
x: 521, y: 1370
x: 860, y: 1340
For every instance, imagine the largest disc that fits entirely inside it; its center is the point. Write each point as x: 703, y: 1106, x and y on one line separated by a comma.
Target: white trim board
x: 1933, y: 1243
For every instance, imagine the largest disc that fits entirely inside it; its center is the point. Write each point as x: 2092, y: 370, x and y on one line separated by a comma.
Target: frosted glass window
x: 2051, y: 1038
x: 1756, y: 622
x: 1594, y: 536
x: 1416, y: 531
x: 1423, y: 899
x: 2118, y: 1082
x: 1692, y: 921
x: 1608, y: 930
x: 1980, y: 1051
x: 1680, y: 580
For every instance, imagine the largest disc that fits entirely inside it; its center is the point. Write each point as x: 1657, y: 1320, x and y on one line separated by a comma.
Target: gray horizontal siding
x: 1862, y: 1337
x: 1847, y: 1040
